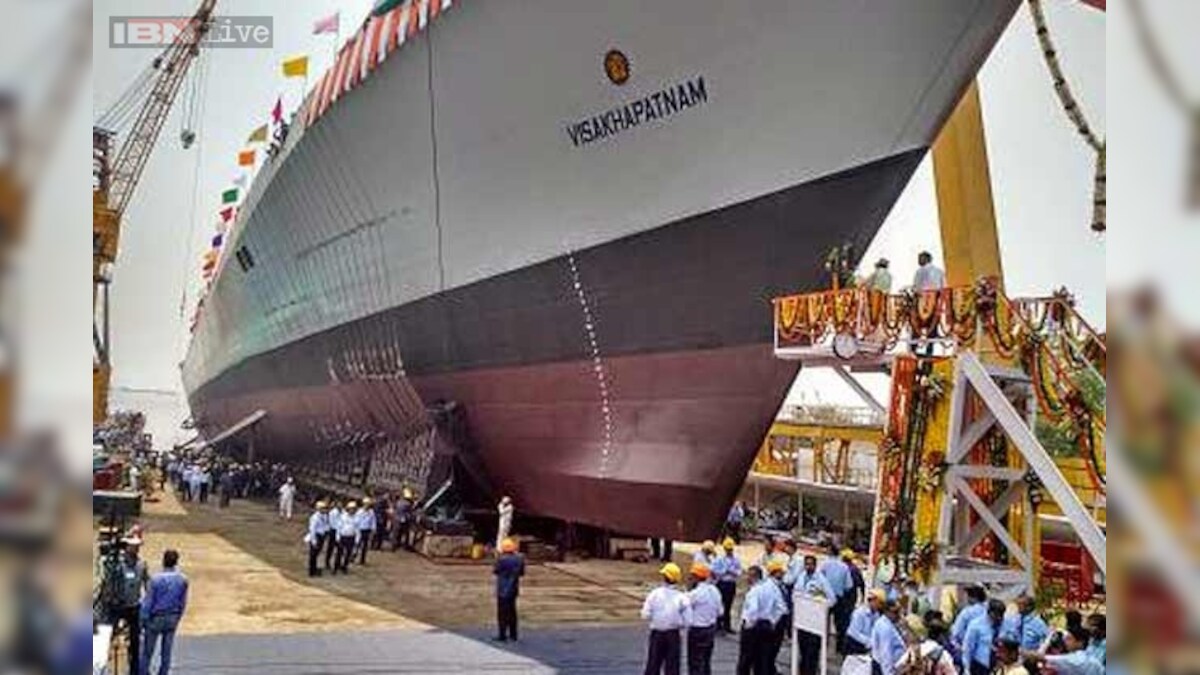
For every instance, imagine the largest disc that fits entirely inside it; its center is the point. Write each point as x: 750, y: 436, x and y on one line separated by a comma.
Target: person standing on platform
x: 837, y: 573
x: 504, y: 526
x: 763, y: 602
x: 509, y: 569
x: 365, y: 520
x: 727, y: 569
x: 162, y: 609
x: 346, y: 527
x: 862, y: 621
x: 981, y: 636
x: 667, y: 611
x: 928, y: 277
x: 887, y: 647
x: 319, y: 533
x: 880, y: 279
x: 705, y: 602
x: 734, y: 521
x: 287, y: 498
x: 132, y: 582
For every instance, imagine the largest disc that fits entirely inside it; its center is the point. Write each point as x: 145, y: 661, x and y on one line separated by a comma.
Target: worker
x: 504, y: 527
x: 383, y: 518
x: 287, y: 498
x: 132, y: 580
x: 205, y: 477
x: 1097, y: 625
x: 663, y: 550
x: 858, y: 633
x: 726, y: 569
x: 734, y: 520
x: 706, y: 607
x: 1008, y: 657
x: 1076, y: 660
x: 1027, y: 628
x: 402, y: 519
x: 978, y: 641
x: 763, y: 602
x: 887, y: 647
x: 781, y: 619
x: 365, y: 520
x: 319, y: 533
x: 928, y: 277
x: 856, y: 575
x: 346, y: 527
x: 810, y: 581
x: 976, y: 606
x: 509, y: 569
x: 837, y: 573
x: 667, y: 610
x: 706, y: 554
x: 880, y: 279
x: 162, y: 609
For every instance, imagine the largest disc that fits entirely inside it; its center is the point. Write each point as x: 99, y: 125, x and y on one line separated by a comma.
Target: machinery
x: 117, y: 170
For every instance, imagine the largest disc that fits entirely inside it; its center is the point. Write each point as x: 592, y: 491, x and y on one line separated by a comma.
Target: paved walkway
x: 594, y: 651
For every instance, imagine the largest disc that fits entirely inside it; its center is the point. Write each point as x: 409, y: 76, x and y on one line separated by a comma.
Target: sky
x: 1041, y: 174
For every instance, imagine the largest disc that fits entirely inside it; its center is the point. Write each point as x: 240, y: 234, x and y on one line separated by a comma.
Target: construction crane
x: 115, y: 176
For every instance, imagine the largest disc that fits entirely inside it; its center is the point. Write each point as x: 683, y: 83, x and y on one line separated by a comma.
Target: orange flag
x: 246, y: 158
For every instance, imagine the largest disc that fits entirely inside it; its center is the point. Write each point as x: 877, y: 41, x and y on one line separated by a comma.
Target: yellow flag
x: 297, y: 66
x: 259, y: 135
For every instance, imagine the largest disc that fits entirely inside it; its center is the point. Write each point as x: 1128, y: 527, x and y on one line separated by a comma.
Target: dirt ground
x: 248, y: 574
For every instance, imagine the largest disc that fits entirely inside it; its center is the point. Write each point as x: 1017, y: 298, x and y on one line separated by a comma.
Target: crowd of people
x: 343, y: 532
x: 896, y: 628
x: 197, y: 476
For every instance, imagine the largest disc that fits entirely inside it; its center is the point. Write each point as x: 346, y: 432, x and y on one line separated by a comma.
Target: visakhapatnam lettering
x: 659, y: 105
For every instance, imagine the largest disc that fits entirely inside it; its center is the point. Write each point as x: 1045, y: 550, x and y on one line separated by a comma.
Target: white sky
x: 1041, y: 172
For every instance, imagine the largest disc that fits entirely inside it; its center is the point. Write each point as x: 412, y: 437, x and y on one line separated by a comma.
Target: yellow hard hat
x: 699, y: 570
x: 671, y: 572
x: 729, y: 544
x: 508, y: 545
x: 877, y: 594
x: 775, y: 565
x: 408, y: 494
x: 352, y: 505
x: 847, y: 555
x: 708, y: 545
x: 322, y: 504
x: 367, y: 501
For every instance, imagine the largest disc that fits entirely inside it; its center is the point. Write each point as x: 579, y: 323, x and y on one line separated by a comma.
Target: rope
x: 1075, y: 115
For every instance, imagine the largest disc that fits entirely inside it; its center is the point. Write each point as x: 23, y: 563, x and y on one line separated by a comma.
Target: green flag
x: 229, y: 196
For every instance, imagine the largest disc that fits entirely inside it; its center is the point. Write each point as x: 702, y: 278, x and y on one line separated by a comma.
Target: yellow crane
x: 115, y: 176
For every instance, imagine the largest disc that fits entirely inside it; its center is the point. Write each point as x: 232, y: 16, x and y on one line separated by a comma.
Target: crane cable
x: 1075, y: 114
x: 197, y: 116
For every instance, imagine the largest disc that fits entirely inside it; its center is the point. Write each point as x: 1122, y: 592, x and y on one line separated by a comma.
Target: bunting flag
x: 297, y: 66
x: 216, y: 240
x: 327, y: 24
x: 227, y: 212
x: 246, y: 158
x: 259, y: 135
x: 229, y: 196
x: 389, y: 27
x: 240, y: 180
x: 277, y: 111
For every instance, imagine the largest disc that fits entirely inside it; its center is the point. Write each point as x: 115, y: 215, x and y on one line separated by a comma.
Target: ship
x: 564, y: 221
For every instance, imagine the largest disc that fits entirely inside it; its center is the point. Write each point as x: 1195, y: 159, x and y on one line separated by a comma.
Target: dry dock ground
x: 253, y: 609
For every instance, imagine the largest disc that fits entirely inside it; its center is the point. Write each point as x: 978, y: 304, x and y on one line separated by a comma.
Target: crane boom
x: 116, y: 176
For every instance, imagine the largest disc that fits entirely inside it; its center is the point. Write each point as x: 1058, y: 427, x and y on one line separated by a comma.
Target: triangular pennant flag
x: 229, y: 196
x: 277, y: 111
x: 259, y: 135
x: 328, y: 24
x: 227, y: 212
x: 297, y: 66
x: 246, y: 157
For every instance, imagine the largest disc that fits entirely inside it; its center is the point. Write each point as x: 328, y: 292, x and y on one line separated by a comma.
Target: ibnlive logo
x: 245, y: 32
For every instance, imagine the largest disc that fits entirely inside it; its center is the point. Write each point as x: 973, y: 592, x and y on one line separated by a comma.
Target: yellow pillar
x: 966, y: 213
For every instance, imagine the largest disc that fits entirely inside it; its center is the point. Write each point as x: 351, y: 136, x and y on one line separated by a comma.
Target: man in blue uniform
x: 509, y: 569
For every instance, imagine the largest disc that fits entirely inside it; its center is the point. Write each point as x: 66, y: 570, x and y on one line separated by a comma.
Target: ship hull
x: 626, y: 386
